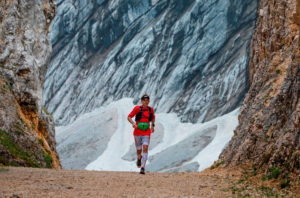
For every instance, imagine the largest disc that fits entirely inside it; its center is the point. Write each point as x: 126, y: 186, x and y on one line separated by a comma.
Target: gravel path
x: 33, y: 182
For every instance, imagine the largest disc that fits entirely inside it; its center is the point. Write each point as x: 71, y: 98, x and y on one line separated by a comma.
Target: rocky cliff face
x: 26, y: 129
x: 190, y: 56
x: 269, y: 122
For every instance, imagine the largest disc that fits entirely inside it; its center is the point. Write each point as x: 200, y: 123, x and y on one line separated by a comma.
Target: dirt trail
x: 33, y: 182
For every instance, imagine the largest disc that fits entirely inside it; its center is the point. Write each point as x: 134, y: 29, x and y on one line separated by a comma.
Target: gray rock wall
x: 268, y: 134
x: 24, y: 56
x: 190, y: 56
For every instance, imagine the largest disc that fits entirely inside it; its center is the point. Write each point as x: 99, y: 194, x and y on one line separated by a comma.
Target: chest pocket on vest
x: 144, y: 113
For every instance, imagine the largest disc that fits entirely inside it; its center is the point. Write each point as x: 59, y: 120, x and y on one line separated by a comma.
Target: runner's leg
x: 146, y: 140
x: 145, y: 155
x: 138, y: 145
x: 139, y: 152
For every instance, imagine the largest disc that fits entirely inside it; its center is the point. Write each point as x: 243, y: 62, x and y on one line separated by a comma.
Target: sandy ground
x: 33, y: 182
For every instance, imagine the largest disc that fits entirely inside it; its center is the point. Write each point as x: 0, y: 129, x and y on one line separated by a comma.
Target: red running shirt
x: 145, y: 118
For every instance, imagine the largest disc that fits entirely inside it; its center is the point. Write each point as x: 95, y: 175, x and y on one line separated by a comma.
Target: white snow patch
x: 174, y: 132
x: 226, y: 125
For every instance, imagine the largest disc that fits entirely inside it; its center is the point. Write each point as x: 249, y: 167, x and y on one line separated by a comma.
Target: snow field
x: 174, y: 133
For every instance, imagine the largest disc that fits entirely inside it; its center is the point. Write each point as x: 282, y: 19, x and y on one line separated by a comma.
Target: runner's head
x: 145, y: 96
x: 145, y: 99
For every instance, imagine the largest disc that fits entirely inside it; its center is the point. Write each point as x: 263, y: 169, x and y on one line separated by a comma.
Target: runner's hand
x: 134, y: 125
x: 152, y: 129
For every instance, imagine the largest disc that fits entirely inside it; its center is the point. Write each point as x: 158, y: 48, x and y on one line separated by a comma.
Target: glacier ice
x: 190, y: 56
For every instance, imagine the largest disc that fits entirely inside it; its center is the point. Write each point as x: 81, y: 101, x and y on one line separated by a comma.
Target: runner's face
x: 145, y: 102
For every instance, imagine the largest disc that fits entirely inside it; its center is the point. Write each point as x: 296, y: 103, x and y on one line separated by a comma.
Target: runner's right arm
x: 131, y: 115
x: 132, y: 122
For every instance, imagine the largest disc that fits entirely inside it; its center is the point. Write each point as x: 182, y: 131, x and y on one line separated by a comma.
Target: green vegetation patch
x: 32, y: 125
x: 2, y: 169
x: 41, y: 141
x: 217, y: 164
x: 266, y: 191
x: 19, y: 129
x: 47, y: 112
x: 48, y: 159
x: 278, y: 71
x: 7, y: 141
x: 220, y: 163
x: 273, y: 174
x: 6, y: 88
x: 284, y: 183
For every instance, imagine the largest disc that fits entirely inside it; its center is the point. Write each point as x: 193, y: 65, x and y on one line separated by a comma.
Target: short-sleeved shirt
x: 145, y: 118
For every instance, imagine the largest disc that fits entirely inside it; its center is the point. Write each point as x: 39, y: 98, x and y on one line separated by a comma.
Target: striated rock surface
x: 27, y: 135
x: 269, y: 122
x: 190, y: 56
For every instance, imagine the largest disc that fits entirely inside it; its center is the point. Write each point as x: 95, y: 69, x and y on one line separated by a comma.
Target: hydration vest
x: 139, y: 115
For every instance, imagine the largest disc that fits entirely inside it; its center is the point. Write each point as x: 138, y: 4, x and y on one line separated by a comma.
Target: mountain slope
x: 190, y: 56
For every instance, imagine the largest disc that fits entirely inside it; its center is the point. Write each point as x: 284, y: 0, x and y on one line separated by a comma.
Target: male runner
x: 144, y: 114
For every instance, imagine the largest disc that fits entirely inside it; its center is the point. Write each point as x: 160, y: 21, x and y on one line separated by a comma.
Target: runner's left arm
x: 153, y: 121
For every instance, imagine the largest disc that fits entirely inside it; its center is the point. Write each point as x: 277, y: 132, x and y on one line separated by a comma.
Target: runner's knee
x: 139, y: 147
x: 145, y: 148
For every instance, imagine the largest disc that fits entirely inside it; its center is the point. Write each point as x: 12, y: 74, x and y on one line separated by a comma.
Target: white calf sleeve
x: 144, y: 159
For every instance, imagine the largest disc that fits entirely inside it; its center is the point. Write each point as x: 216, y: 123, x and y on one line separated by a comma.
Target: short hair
x: 145, y: 96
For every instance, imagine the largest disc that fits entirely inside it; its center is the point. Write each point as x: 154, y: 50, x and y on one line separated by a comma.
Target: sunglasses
x: 145, y: 97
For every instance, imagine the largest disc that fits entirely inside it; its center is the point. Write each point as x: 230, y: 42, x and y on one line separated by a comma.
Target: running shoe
x: 142, y: 171
x: 139, y: 163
